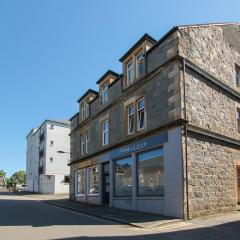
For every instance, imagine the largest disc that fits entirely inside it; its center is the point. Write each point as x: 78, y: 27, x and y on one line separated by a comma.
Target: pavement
x: 29, y: 217
x: 122, y: 216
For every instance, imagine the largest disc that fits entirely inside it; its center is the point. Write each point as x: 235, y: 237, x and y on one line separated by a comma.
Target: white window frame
x: 138, y: 61
x: 129, y: 115
x: 105, y: 93
x: 131, y: 62
x: 138, y: 111
x: 86, y: 141
x: 105, y: 132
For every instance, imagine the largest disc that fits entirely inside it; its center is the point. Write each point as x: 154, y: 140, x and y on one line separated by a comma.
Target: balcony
x: 40, y: 169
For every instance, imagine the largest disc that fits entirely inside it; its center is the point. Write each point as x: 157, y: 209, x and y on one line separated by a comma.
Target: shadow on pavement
x: 134, y: 218
x: 228, y: 231
x: 19, y: 212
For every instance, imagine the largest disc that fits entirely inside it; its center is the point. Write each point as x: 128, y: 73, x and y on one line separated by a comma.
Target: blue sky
x: 52, y: 51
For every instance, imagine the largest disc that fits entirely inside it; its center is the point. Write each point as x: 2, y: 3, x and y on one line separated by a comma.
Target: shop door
x: 238, y: 185
x: 105, y: 181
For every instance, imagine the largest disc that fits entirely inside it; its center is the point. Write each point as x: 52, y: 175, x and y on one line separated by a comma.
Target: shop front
x: 142, y: 176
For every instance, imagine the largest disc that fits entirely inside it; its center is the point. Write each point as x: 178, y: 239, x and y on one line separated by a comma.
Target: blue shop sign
x: 136, y: 146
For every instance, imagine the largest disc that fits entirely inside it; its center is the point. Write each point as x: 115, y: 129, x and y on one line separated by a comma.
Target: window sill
x: 93, y: 194
x: 122, y: 198
x: 150, y: 197
x: 80, y: 195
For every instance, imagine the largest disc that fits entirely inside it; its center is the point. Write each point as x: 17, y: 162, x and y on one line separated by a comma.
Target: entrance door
x: 238, y: 184
x: 105, y: 181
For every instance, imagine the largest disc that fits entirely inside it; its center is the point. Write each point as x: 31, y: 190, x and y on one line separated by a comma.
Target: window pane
x: 105, y: 133
x: 140, y: 64
x: 105, y: 94
x: 80, y: 182
x: 130, y: 72
x: 123, y: 177
x: 151, y: 173
x: 93, y: 180
x: 141, y: 119
x: 131, y: 110
x: 131, y: 119
x: 141, y: 104
x: 131, y: 124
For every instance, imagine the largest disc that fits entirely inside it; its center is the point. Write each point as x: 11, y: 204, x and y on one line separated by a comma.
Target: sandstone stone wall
x: 211, y: 48
x: 211, y: 176
x: 162, y: 105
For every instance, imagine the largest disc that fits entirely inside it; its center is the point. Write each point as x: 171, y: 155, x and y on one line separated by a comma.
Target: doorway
x: 238, y: 184
x: 105, y: 182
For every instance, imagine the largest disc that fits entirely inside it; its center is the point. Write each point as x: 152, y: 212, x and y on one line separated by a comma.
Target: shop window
x: 140, y: 65
x: 93, y: 180
x: 150, y: 173
x: 80, y: 182
x: 105, y: 133
x: 140, y: 114
x: 123, y: 177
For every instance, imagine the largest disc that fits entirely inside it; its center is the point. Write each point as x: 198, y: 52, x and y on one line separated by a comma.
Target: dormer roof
x: 145, y: 37
x: 106, y: 74
x: 88, y: 92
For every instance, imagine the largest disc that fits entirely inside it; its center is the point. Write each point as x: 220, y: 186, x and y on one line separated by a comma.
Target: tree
x: 2, y: 173
x: 19, y: 177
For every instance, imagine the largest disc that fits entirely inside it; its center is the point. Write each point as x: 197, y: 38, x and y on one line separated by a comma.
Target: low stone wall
x: 211, y: 176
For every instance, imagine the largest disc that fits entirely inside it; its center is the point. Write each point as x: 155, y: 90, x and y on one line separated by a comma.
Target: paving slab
x: 132, y: 218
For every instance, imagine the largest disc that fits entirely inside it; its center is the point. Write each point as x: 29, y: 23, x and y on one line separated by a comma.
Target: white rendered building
x: 48, y: 153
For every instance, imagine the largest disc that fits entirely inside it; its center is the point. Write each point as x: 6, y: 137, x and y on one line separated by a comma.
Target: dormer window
x: 134, y: 59
x: 140, y: 65
x: 130, y: 72
x: 104, y: 83
x: 105, y: 93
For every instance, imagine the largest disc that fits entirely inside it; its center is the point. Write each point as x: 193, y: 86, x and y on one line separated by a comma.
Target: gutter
x: 186, y: 147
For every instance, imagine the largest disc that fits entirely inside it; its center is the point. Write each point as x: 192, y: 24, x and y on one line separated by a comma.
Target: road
x: 26, y: 218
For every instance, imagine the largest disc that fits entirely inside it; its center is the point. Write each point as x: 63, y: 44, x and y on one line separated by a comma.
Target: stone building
x: 164, y: 136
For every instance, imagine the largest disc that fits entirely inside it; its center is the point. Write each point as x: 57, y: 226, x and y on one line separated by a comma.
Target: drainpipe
x: 185, y: 133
